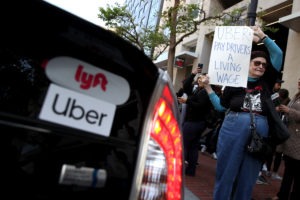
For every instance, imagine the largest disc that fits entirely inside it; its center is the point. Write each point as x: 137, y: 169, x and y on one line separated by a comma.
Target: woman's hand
x: 181, y: 99
x: 206, y: 85
x: 197, y: 70
x: 283, y: 108
x: 205, y: 80
x: 258, y: 34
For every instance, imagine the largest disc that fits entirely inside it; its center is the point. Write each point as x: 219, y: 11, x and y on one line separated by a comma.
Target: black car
x: 83, y: 113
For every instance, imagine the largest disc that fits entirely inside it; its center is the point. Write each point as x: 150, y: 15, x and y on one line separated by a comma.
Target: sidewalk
x: 201, y: 186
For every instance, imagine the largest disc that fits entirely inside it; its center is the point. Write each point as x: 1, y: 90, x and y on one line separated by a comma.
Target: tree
x: 121, y: 21
x: 177, y: 22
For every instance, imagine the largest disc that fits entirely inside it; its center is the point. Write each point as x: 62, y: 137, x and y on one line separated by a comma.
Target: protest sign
x: 230, y: 56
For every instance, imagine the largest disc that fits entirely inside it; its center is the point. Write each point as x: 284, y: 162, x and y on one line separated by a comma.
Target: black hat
x: 255, y: 54
x: 279, y: 81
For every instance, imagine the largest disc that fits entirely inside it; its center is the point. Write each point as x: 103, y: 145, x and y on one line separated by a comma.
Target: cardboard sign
x: 230, y: 56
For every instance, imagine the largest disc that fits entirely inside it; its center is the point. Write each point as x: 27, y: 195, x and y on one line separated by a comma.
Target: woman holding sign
x: 237, y: 171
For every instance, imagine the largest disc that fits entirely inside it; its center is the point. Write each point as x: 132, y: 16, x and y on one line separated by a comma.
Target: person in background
x: 284, y: 100
x: 290, y: 185
x: 284, y: 97
x: 277, y: 85
x: 198, y: 105
x: 183, y: 94
x: 267, y: 165
x: 236, y: 170
x: 182, y: 106
x: 214, y: 122
x: 195, y: 84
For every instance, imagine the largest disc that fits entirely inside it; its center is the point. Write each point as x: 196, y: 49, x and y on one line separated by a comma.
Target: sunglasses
x: 258, y: 63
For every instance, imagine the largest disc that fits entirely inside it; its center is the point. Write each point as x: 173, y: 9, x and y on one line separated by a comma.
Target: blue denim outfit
x: 237, y: 171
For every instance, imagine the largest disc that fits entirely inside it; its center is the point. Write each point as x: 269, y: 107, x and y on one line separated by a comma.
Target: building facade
x: 283, y: 15
x: 145, y: 11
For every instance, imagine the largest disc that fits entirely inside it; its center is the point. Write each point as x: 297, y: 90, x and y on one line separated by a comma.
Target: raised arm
x: 213, y: 97
x: 276, y: 54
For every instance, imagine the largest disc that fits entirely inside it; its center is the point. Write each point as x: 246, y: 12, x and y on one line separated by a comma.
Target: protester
x: 284, y: 100
x: 214, y: 121
x: 277, y: 85
x: 290, y: 185
x: 236, y: 170
x: 182, y: 106
x: 279, y: 96
x: 181, y: 93
x: 198, y: 105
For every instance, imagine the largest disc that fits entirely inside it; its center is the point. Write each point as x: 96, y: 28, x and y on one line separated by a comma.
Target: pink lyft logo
x: 86, y: 79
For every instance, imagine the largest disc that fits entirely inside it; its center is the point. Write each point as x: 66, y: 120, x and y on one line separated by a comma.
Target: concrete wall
x: 291, y: 72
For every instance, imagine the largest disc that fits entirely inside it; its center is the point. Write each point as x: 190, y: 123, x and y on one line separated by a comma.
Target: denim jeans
x: 236, y: 170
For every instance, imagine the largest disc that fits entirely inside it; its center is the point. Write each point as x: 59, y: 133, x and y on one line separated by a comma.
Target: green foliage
x: 263, y: 24
x: 114, y: 16
x: 119, y: 20
x: 187, y: 16
x: 271, y: 29
x: 233, y: 18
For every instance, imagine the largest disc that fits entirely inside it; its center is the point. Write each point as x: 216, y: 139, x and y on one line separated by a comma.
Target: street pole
x: 251, y: 15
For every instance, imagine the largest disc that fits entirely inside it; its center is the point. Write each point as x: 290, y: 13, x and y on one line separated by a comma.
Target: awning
x: 291, y: 21
x: 187, y: 56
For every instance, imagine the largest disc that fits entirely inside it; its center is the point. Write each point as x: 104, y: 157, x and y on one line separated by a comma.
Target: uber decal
x: 70, y: 108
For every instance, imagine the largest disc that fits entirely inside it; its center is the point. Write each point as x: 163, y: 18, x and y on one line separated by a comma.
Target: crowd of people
x: 237, y: 171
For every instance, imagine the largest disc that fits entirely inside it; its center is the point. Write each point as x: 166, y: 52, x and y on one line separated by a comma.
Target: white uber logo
x: 72, y: 109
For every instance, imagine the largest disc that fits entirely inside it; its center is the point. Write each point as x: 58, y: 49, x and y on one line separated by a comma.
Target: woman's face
x: 199, y: 81
x: 257, y: 67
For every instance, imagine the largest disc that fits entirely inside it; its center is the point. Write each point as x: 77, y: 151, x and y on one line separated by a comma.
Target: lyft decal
x: 72, y: 109
x: 88, y: 79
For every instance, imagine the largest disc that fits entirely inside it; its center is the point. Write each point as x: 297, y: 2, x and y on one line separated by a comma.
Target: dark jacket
x: 198, y: 103
x: 233, y: 98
